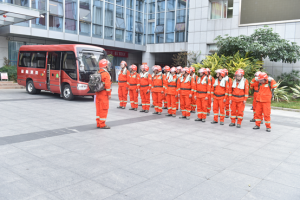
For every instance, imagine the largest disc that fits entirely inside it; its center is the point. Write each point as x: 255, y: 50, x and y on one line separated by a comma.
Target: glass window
x: 108, y: 33
x: 171, y: 5
x: 129, y: 4
x: 129, y: 25
x: 160, y: 38
x: 84, y: 28
x: 139, y: 27
x: 38, y: 59
x: 138, y: 17
x: 55, y: 23
x: 169, y: 37
x: 97, y: 31
x: 55, y: 8
x: 151, y: 8
x: 120, y: 12
x: 161, y: 5
x: 159, y: 29
x: 84, y: 15
x: 139, y: 5
x: 69, y: 64
x: 70, y: 16
x: 138, y: 38
x: 24, y: 3
x: 160, y: 18
x: 150, y: 39
x: 151, y: 16
x: 54, y: 60
x: 39, y: 4
x: 85, y: 4
x: 98, y: 12
x: 70, y: 25
x: 170, y: 26
x: 119, y: 35
x: 120, y: 23
x: 120, y: 2
x: 180, y: 16
x: 109, y: 14
x: 221, y: 9
x: 180, y: 27
x: 39, y: 22
x: 151, y: 27
x: 24, y: 59
x: 181, y: 4
x: 179, y: 36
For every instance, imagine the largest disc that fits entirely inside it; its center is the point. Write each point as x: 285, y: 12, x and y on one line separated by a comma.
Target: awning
x: 11, y: 14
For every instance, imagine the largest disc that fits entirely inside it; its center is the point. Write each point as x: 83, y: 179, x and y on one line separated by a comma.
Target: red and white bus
x: 62, y: 69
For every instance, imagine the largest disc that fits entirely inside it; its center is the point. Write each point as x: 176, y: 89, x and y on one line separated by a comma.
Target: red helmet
x: 262, y: 76
x: 133, y: 67
x: 146, y: 68
x: 221, y: 72
x: 207, y: 70
x: 123, y: 62
x: 239, y: 71
x: 104, y: 63
x: 159, y: 68
x: 187, y: 70
x: 173, y: 69
x: 225, y: 71
x: 192, y: 69
x: 202, y: 70
x: 179, y: 67
x: 257, y: 73
x: 167, y: 68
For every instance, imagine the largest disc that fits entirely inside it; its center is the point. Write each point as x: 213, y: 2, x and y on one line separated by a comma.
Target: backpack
x: 95, y: 83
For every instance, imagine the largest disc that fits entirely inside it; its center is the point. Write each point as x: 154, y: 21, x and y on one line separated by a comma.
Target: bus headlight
x: 81, y: 86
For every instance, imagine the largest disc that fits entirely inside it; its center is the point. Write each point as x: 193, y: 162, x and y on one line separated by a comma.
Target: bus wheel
x: 30, y: 88
x: 67, y: 93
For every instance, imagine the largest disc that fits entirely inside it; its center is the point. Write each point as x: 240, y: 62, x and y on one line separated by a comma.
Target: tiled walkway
x: 50, y: 149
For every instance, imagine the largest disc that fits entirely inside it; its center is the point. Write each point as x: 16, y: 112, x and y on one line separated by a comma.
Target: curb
x: 280, y: 108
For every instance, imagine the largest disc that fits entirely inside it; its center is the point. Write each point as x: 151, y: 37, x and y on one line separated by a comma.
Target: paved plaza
x: 50, y: 149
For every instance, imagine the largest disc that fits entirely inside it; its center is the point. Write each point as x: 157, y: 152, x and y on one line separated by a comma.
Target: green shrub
x: 281, y: 93
x: 296, y: 91
x: 290, y: 79
x: 11, y: 71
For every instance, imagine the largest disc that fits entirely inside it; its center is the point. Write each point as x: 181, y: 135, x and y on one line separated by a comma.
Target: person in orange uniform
x: 212, y: 80
x: 167, y: 73
x: 123, y: 87
x: 133, y: 85
x: 145, y: 88
x: 158, y: 89
x: 254, y: 86
x: 263, y: 98
x: 193, y: 100
x: 202, y: 93
x: 171, y: 92
x: 102, y: 97
x: 238, y: 97
x: 227, y: 105
x: 220, y: 95
x: 179, y: 75
x: 186, y: 89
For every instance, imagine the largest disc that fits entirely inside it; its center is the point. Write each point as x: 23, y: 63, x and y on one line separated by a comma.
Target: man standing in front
x: 145, y: 88
x: 102, y: 97
x: 171, y: 92
x: 263, y: 100
x: 133, y: 85
x: 166, y: 73
x: 158, y: 89
x: 254, y: 85
x: 123, y: 87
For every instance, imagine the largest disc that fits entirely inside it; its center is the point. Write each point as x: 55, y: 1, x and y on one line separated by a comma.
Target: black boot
x: 198, y: 119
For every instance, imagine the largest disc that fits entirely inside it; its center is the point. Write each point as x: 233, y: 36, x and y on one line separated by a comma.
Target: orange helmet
x: 192, y: 69
x: 207, y: 70
x: 239, y: 71
x: 221, y: 72
x: 225, y: 71
x: 262, y: 76
x: 187, y: 70
x: 158, y: 68
x: 202, y: 70
x: 173, y: 69
x: 123, y: 62
x: 179, y: 67
x: 133, y: 67
x: 257, y: 73
x: 146, y: 68
x: 167, y: 68
x: 104, y: 63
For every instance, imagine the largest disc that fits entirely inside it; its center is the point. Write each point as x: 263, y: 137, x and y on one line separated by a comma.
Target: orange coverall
x: 157, y: 89
x: 171, y: 91
x: 193, y: 100
x: 202, y: 91
x: 177, y: 99
x: 219, y: 94
x: 185, y: 90
x: 102, y: 101
x: 146, y: 84
x: 263, y: 102
x: 164, y: 98
x: 133, y: 85
x: 238, y: 96
x: 212, y: 80
x: 254, y: 86
x: 227, y: 105
x: 123, y: 87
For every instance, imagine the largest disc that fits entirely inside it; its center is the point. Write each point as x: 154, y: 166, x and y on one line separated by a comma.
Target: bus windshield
x: 89, y: 60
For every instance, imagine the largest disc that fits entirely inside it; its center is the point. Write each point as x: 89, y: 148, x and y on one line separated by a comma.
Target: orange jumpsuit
x: 227, y: 105
x: 186, y: 87
x: 219, y: 94
x: 193, y: 100
x: 145, y: 85
x: 202, y: 91
x: 133, y: 85
x: 212, y: 80
x: 171, y: 91
x: 157, y: 89
x: 123, y: 87
x: 263, y: 102
x: 102, y: 101
x: 177, y: 99
x: 254, y: 86
x: 238, y: 96
x: 164, y: 98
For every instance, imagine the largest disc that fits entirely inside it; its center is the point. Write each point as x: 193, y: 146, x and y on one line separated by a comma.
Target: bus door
x: 54, y: 72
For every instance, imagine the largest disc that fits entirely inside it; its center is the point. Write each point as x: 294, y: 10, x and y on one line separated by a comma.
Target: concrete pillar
x: 148, y: 58
x: 3, y: 49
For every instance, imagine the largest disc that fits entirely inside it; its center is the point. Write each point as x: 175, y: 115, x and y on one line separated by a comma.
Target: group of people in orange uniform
x: 196, y: 93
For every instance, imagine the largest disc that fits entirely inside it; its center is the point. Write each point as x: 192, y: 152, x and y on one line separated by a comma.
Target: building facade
x: 141, y: 31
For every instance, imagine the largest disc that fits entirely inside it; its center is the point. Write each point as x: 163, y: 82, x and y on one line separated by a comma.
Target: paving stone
x: 284, y: 178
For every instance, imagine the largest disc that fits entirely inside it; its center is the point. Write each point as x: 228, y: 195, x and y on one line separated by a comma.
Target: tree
x: 186, y: 58
x: 263, y: 43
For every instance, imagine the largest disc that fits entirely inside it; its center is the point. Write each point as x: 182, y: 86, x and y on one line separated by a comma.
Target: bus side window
x: 38, y: 59
x: 69, y: 64
x: 24, y: 59
x: 54, y: 60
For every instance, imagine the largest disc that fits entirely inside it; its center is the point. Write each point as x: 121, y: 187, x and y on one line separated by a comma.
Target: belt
x: 157, y: 86
x: 122, y: 81
x: 238, y: 95
x: 184, y: 89
x: 132, y: 84
x: 171, y: 85
x: 220, y: 95
x: 255, y: 90
x: 201, y: 92
x: 144, y: 85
